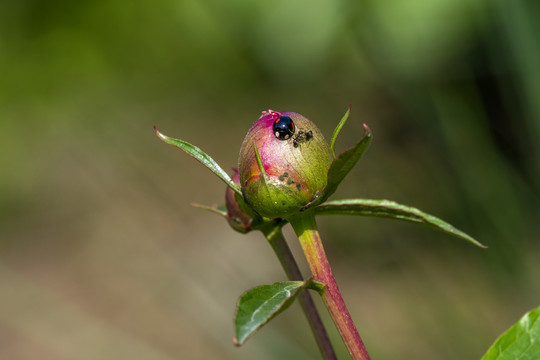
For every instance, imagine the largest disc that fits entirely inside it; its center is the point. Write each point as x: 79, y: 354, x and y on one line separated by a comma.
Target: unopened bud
x: 283, y: 164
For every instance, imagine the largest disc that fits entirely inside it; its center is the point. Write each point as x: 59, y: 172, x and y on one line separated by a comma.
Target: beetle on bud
x: 283, y: 164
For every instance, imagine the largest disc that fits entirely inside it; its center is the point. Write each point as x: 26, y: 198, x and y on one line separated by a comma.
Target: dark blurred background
x: 101, y: 256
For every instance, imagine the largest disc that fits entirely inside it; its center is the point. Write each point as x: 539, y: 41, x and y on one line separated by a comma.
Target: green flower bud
x: 283, y: 164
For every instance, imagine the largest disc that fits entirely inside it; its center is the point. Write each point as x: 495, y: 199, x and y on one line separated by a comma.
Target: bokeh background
x: 101, y: 255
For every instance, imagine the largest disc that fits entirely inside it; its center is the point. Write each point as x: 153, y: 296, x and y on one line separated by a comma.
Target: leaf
x: 392, y: 210
x: 259, y: 305
x: 338, y: 129
x: 521, y: 341
x: 220, y: 210
x: 202, y: 157
x: 341, y: 166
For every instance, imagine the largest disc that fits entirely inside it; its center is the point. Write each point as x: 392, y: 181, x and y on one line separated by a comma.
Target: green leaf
x: 344, y: 163
x: 338, y: 129
x: 220, y: 210
x: 259, y: 305
x: 520, y: 342
x: 392, y: 210
x: 202, y: 157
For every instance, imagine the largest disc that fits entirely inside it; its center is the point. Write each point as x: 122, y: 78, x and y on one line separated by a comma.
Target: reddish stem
x: 286, y: 258
x: 310, y: 240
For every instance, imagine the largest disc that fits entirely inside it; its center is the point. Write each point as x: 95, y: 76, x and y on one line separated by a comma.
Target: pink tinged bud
x: 294, y: 157
x: 237, y: 214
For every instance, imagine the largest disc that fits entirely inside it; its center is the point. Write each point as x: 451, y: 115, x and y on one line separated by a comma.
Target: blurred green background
x: 101, y: 256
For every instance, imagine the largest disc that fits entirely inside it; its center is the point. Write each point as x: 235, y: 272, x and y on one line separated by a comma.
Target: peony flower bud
x: 239, y: 215
x: 294, y: 158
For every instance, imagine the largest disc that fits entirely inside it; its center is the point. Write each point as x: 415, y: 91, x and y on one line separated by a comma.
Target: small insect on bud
x: 283, y: 164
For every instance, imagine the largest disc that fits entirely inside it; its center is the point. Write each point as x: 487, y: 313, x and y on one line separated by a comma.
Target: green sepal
x: 391, y: 210
x: 520, y: 342
x: 259, y: 222
x: 202, y: 157
x: 220, y: 210
x: 257, y: 306
x: 260, y: 164
x: 344, y: 163
x: 338, y: 129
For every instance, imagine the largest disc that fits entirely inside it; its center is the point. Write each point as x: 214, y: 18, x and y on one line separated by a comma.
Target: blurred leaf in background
x: 101, y: 255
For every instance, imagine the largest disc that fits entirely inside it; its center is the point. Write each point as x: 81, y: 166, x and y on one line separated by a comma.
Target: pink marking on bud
x: 273, y: 115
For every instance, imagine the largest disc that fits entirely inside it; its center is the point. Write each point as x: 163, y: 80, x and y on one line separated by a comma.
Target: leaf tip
x: 367, y: 130
x: 471, y: 240
x: 236, y: 342
x: 474, y: 241
x: 159, y: 134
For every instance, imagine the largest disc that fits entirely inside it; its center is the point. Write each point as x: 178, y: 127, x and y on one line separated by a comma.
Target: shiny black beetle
x: 283, y: 127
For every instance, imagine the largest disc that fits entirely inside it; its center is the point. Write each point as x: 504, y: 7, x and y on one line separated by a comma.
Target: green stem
x: 275, y: 237
x: 305, y: 228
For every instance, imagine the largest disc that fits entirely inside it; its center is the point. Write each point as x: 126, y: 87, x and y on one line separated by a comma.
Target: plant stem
x: 275, y: 237
x: 305, y: 228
